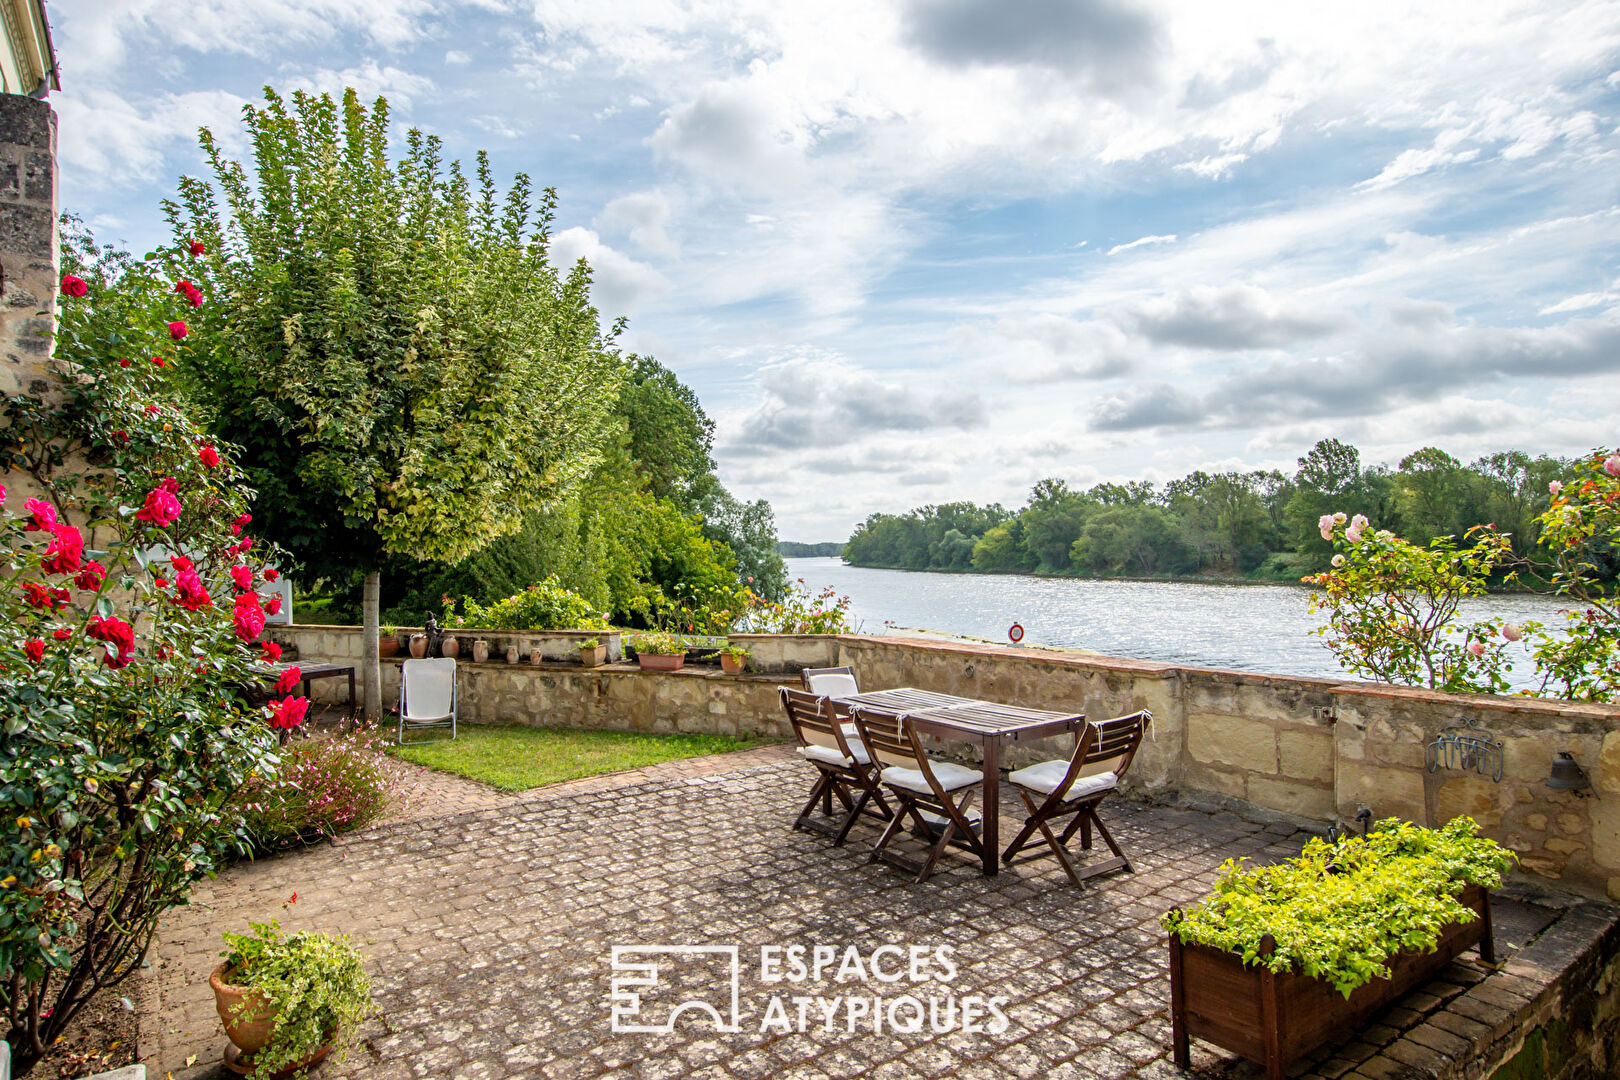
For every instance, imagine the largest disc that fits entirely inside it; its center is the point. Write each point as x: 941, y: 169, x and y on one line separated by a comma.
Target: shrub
x: 798, y: 613
x: 1580, y: 533
x: 658, y: 644
x: 546, y: 606
x: 129, y: 608
x: 315, y: 984
x: 1340, y: 910
x: 325, y: 786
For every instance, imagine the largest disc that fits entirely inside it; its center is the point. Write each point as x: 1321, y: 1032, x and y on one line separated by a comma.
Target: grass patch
x: 515, y: 758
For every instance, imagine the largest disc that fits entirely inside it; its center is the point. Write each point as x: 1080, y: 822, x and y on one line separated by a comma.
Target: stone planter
x: 480, y: 652
x: 655, y: 662
x: 1274, y: 1019
x: 593, y: 657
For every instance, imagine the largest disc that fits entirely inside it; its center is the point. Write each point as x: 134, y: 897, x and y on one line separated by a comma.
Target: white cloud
x: 620, y: 284
x: 1168, y: 238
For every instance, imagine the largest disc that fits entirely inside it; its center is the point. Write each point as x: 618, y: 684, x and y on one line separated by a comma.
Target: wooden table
x: 986, y: 724
x: 311, y: 672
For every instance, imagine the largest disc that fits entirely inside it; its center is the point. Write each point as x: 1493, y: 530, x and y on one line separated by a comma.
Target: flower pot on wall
x: 388, y: 646
x: 733, y: 665
x: 513, y: 653
x: 536, y: 657
x: 480, y: 651
x: 656, y: 662
x: 418, y: 646
x: 594, y: 656
x: 450, y: 647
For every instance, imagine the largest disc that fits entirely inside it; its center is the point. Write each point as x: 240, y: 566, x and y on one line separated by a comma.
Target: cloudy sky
x: 913, y: 251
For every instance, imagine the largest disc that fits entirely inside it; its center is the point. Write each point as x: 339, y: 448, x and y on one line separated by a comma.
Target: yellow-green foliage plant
x: 1340, y: 911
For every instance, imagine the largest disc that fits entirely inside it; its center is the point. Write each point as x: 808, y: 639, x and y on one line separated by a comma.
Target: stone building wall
x: 1309, y: 749
x: 29, y: 260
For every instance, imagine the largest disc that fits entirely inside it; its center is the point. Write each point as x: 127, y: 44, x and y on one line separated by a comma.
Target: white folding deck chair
x: 427, y: 695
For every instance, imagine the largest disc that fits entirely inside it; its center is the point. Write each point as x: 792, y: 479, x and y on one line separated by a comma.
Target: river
x: 1246, y: 627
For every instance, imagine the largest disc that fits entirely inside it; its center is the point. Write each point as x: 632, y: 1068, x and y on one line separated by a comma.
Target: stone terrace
x: 489, y: 935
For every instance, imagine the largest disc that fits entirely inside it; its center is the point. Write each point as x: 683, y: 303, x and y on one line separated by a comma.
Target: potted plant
x: 734, y: 659
x: 592, y: 653
x: 287, y: 1000
x: 388, y: 642
x: 660, y: 652
x: 1282, y: 959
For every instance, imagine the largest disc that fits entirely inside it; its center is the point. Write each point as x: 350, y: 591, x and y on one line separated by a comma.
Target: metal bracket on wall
x: 1468, y: 747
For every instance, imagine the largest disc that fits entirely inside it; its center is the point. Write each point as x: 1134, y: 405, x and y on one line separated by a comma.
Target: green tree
x: 405, y: 370
x: 1052, y: 523
x: 1140, y: 540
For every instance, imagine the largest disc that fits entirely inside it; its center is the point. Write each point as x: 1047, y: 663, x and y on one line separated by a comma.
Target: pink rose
x: 1511, y: 631
x: 1612, y: 465
x: 242, y: 578
x: 190, y: 592
x: 289, y: 679
x: 119, y: 636
x: 44, y: 515
x: 178, y: 331
x: 181, y: 563
x: 1555, y: 487
x: 161, y: 508
x: 66, y: 552
x: 1477, y: 648
x: 249, y: 618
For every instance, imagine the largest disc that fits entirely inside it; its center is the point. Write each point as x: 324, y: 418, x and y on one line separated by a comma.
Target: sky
x: 921, y: 251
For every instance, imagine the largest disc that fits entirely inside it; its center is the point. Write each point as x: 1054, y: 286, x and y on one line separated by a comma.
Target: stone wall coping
x: 455, y: 631
x: 1073, y: 658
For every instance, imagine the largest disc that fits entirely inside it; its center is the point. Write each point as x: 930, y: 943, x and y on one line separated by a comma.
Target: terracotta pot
x: 654, y: 662
x: 593, y: 657
x: 480, y: 651
x: 513, y: 654
x: 537, y: 657
x: 450, y: 647
x: 418, y: 645
x: 388, y: 646
x: 731, y: 665
x: 250, y: 1031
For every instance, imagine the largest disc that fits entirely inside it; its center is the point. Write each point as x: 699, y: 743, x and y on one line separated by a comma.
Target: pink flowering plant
x: 799, y: 612
x: 121, y: 655
x: 326, y: 785
x: 1393, y: 608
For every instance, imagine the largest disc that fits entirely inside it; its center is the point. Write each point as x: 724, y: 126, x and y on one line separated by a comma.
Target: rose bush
x: 125, y: 733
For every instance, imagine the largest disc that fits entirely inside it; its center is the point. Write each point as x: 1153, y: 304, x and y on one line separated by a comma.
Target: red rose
x: 66, y: 551
x: 190, y: 592
x: 288, y: 713
x: 178, y: 331
x: 151, y: 410
x: 119, y: 636
x: 272, y: 652
x: 181, y: 563
x: 270, y: 572
x: 159, y: 361
x: 242, y: 577
x: 161, y: 582
x: 272, y: 606
x: 33, y: 647
x: 123, y: 362
x: 197, y: 248
x: 247, y: 543
x: 236, y: 526
x: 91, y: 577
x: 121, y: 436
x: 45, y: 599
x: 62, y: 634
x: 289, y: 679
x: 209, y: 457
x: 161, y: 507
x: 44, y: 515
x: 249, y: 619
x: 73, y: 286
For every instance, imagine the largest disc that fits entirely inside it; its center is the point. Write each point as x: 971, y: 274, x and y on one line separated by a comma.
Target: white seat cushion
x: 830, y: 754
x: 1046, y: 776
x: 835, y: 684
x: 950, y: 776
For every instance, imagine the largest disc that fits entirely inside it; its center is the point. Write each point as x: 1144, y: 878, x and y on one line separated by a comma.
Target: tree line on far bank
x: 1262, y: 524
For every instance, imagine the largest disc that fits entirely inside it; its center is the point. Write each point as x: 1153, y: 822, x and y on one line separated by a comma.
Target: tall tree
x: 405, y: 370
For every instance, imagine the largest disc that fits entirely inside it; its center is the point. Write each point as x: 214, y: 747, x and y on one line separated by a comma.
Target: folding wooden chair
x: 828, y: 740
x: 922, y: 785
x: 1103, y: 750
x: 830, y: 681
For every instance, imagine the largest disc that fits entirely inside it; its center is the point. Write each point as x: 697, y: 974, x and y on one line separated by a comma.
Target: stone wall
x: 1308, y: 749
x: 28, y: 257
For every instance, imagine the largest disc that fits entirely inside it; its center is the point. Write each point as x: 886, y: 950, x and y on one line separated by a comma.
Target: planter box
x: 1273, y: 1019
x: 655, y: 662
x: 593, y: 657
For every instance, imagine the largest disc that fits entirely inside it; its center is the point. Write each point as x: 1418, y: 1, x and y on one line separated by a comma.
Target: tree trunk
x: 371, y: 667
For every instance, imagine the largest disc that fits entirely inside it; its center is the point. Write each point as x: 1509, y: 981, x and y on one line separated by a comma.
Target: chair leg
x: 894, y: 827
x: 1108, y: 838
x: 955, y: 821
x: 1062, y: 854
x: 849, y: 822
x: 816, y: 794
x: 1022, y: 839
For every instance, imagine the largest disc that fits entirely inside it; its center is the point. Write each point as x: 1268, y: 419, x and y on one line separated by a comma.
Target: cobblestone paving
x: 490, y: 935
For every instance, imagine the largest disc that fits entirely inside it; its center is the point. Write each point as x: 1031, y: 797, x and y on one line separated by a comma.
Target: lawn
x: 515, y: 758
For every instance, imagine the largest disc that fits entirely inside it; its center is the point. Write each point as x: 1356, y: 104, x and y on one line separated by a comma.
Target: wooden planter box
x: 1274, y: 1019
